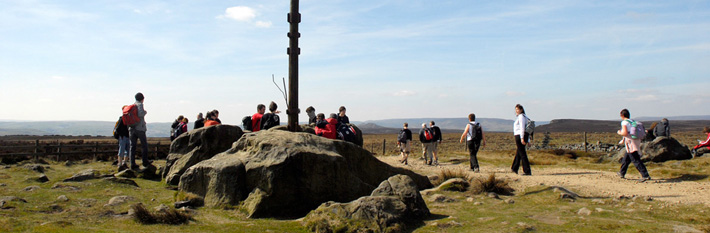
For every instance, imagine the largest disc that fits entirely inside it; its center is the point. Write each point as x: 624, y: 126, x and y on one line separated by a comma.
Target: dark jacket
x: 422, y: 138
x: 437, y: 133
x: 408, y: 133
x: 662, y: 129
x: 199, y: 123
x: 312, y: 120
x: 270, y: 120
x: 122, y: 130
x: 343, y: 119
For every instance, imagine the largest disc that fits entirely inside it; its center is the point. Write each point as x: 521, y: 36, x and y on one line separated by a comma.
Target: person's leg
x: 434, y: 151
x: 144, y: 144
x: 636, y: 159
x: 524, y: 157
x: 132, y: 153
x: 703, y: 150
x: 516, y: 160
x: 625, y: 161
x: 472, y: 151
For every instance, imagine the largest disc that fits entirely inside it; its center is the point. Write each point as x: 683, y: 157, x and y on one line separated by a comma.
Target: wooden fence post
x: 585, y: 141
x: 157, y: 146
x: 96, y: 149
x: 384, y: 145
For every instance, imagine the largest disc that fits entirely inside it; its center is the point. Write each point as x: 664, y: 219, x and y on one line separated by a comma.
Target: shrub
x: 446, y: 174
x: 491, y: 184
x: 170, y: 216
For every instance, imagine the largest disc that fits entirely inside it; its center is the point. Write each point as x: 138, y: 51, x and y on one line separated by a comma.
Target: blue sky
x: 83, y: 60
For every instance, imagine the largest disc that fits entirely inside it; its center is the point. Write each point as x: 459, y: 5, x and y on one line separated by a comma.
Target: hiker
x: 633, y: 146
x: 121, y: 133
x: 215, y: 116
x: 342, y: 118
x: 474, y: 135
x: 326, y: 127
x: 404, y: 141
x: 182, y: 127
x: 174, y: 126
x: 521, y: 140
x: 200, y: 122
x: 649, y: 133
x: 311, y: 111
x: 425, y: 138
x: 138, y: 132
x: 256, y: 118
x: 703, y: 147
x: 435, y: 141
x: 210, y: 119
x: 663, y: 129
x: 270, y: 119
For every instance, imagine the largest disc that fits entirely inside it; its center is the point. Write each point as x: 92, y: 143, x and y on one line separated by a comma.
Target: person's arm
x: 523, y: 121
x: 465, y: 131
x: 623, y: 131
x: 703, y: 144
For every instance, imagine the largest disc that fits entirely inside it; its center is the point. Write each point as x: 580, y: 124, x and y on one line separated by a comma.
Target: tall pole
x: 293, y: 51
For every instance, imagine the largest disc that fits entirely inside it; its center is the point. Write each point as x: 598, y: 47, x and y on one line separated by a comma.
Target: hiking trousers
x: 473, y: 147
x: 134, y: 135
x: 636, y: 159
x: 521, y: 156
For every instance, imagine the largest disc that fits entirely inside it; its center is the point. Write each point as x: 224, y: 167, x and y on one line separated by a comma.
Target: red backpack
x: 130, y: 115
x: 427, y: 134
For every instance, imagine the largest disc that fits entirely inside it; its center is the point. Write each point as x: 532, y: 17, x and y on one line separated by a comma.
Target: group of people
x: 180, y: 125
x: 430, y: 137
x: 336, y: 126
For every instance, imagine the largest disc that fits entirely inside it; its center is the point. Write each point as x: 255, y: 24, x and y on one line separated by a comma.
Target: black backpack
x: 270, y: 120
x: 346, y: 133
x: 478, y: 135
x: 246, y: 123
x: 402, y: 137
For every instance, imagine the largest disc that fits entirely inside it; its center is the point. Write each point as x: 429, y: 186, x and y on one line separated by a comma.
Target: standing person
x: 200, y: 122
x: 425, y: 138
x: 215, y: 116
x: 271, y: 119
x: 663, y: 129
x: 703, y: 147
x: 138, y: 132
x: 256, y: 118
x: 633, y: 146
x: 404, y: 141
x: 311, y: 111
x: 182, y: 127
x: 436, y: 133
x: 474, y: 135
x: 521, y: 140
x: 210, y: 119
x: 123, y: 143
x: 342, y: 118
x: 174, y: 127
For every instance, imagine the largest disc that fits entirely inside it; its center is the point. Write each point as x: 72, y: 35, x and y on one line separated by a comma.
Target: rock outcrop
x: 660, y: 149
x: 197, y: 145
x: 283, y: 174
x: 389, y: 208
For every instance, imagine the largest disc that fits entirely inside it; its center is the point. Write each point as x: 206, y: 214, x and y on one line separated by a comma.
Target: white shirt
x: 519, y: 125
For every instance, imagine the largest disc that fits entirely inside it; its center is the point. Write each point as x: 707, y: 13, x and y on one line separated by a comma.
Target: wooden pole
x: 157, y: 146
x: 384, y: 144
x: 293, y: 51
x: 585, y: 141
x: 96, y: 149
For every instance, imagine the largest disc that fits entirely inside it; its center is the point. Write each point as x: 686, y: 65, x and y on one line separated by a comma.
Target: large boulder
x: 660, y: 149
x: 283, y: 174
x: 391, y: 206
x: 197, y: 145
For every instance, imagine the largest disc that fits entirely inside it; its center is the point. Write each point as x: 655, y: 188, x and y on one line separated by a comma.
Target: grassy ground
x: 535, y: 208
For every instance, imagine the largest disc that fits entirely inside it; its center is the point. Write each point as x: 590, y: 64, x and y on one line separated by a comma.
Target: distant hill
x: 371, y: 128
x: 575, y: 125
x: 76, y: 128
x: 455, y: 124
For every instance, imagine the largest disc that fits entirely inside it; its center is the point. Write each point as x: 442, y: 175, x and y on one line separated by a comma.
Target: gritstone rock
x: 660, y: 149
x: 198, y: 145
x: 284, y: 174
x: 87, y: 174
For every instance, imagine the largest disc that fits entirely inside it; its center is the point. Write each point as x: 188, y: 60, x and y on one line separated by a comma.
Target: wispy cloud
x: 244, y: 14
x: 404, y: 93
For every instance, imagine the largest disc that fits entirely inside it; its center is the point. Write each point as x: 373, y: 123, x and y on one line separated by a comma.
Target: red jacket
x: 256, y: 122
x: 211, y: 122
x: 329, y: 131
x: 706, y: 143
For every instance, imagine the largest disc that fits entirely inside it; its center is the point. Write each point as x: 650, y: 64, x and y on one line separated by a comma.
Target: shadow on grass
x: 411, y: 227
x: 564, y: 190
x: 458, y: 161
x: 683, y: 177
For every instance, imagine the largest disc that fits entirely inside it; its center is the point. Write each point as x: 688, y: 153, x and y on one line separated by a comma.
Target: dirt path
x: 586, y: 183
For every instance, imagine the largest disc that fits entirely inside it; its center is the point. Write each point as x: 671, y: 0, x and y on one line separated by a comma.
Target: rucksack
x: 178, y: 130
x: 270, y: 120
x: 402, y: 137
x: 346, y: 132
x: 427, y: 134
x: 246, y: 123
x: 115, y: 127
x: 475, y: 132
x: 530, y: 126
x: 130, y: 115
x: 636, y: 129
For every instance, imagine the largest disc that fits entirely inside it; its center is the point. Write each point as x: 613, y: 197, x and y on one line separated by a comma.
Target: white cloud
x: 404, y: 93
x: 514, y: 93
x: 56, y: 77
x: 240, y: 13
x: 263, y: 24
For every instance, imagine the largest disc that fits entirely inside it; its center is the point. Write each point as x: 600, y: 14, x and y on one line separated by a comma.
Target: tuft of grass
x: 446, y: 174
x: 491, y: 184
x: 170, y: 216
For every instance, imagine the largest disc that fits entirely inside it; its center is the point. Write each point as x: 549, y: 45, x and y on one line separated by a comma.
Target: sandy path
x: 586, y: 183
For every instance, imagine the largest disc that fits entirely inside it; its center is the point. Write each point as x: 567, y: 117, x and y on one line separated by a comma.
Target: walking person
x: 404, y: 141
x: 425, y: 137
x: 435, y: 141
x: 138, y: 132
x: 521, y: 140
x: 200, y: 122
x: 473, y: 133
x: 121, y: 133
x: 633, y: 146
